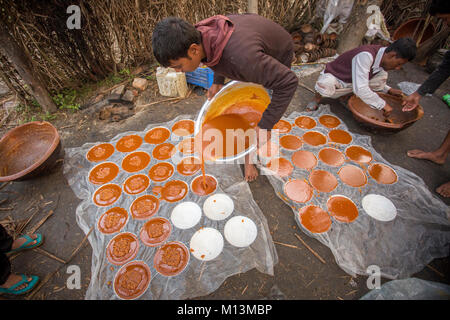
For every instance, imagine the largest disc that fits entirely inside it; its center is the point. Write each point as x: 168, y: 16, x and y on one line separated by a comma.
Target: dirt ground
x: 298, y: 275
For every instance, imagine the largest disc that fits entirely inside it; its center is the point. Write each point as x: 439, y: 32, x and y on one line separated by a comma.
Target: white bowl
x: 379, y: 207
x: 206, y: 244
x: 186, y: 215
x: 218, y: 206
x: 240, y: 231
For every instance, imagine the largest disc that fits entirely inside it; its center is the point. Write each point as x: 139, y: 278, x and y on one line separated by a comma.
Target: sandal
x: 30, y: 285
x: 27, y: 245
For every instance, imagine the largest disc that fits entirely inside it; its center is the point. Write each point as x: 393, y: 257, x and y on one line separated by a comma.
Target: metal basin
x: 235, y: 92
x: 374, y: 119
x: 28, y: 151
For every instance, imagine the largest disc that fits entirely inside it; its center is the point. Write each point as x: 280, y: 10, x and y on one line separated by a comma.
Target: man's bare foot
x: 13, y: 279
x: 444, y: 190
x: 432, y: 156
x: 251, y: 173
x: 312, y: 106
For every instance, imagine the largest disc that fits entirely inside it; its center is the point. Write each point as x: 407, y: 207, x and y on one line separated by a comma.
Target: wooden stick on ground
x: 4, y: 185
x: 286, y: 245
x: 309, y: 248
x: 433, y: 269
x: 33, y: 230
x: 48, y: 254
x: 306, y: 87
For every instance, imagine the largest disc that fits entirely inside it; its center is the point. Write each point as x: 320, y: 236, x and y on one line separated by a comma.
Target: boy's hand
x: 411, y: 102
x: 395, y: 92
x: 213, y: 90
x: 387, y: 110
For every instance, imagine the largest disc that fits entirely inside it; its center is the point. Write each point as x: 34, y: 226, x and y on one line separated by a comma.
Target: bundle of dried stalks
x: 114, y: 35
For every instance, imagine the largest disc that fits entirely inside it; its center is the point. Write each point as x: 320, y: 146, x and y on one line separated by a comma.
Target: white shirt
x: 360, y: 77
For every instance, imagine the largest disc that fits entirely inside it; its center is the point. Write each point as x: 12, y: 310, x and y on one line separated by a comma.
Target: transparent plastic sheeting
x: 401, y: 247
x: 199, y: 278
x: 410, y: 289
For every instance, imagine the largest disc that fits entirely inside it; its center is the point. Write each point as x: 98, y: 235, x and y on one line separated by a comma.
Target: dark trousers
x: 6, y: 242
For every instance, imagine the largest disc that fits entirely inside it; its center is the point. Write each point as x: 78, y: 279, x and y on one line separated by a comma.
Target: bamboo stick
x: 309, y: 248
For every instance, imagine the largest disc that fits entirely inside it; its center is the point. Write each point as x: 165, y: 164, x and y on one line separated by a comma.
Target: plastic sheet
x: 410, y: 289
x: 200, y: 277
x: 409, y: 88
x: 419, y: 233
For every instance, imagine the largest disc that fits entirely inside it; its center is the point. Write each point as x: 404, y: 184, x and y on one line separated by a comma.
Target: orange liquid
x: 329, y: 121
x: 314, y: 138
x: 171, y: 259
x: 144, y: 207
x: 161, y: 171
x: 164, y: 151
x: 112, y: 221
x: 352, y: 176
x: 281, y: 166
x: 104, y: 172
x: 100, y: 152
x: 314, y: 219
x: 189, y: 166
x: 132, y: 280
x: 107, y: 194
x: 122, y: 248
x: 298, y: 191
x: 136, y: 184
x: 155, y: 231
x: 331, y: 157
x: 340, y: 136
x: 323, y: 181
x: 136, y: 161
x: 342, y: 209
x: 128, y: 143
x: 204, y: 185
x: 283, y: 126
x: 305, y: 122
x: 382, y: 173
x: 157, y: 135
x: 174, y: 190
x: 358, y: 154
x: 290, y: 142
x: 183, y: 128
x: 304, y: 159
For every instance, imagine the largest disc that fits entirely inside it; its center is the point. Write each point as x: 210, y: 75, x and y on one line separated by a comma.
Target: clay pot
x: 374, y: 120
x: 306, y: 28
x: 29, y: 150
x: 296, y: 37
x: 310, y: 47
x: 407, y: 30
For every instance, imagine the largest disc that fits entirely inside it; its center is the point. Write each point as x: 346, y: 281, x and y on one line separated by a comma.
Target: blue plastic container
x: 202, y: 77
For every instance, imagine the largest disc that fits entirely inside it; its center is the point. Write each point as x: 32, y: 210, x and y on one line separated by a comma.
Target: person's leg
x: 8, y: 279
x: 250, y: 171
x: 438, y: 156
x: 328, y: 86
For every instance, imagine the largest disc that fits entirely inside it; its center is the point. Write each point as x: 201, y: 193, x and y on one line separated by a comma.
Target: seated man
x: 362, y: 71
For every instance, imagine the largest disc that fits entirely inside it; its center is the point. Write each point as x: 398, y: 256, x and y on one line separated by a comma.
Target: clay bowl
x: 407, y: 30
x: 28, y: 151
x: 374, y: 119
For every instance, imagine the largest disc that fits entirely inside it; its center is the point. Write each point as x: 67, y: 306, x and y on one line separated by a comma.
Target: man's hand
x: 213, y: 90
x: 387, y: 110
x: 411, y: 102
x: 395, y: 92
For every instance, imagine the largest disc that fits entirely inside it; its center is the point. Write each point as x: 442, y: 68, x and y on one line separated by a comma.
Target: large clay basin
x: 374, y: 119
x: 28, y: 151
x: 407, y: 30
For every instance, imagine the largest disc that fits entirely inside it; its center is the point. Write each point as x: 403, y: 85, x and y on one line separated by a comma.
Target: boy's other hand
x: 387, y: 110
x: 213, y: 90
x: 411, y: 102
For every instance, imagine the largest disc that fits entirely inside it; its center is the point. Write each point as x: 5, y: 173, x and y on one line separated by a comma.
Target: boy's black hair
x: 404, y: 48
x: 439, y: 6
x: 172, y: 38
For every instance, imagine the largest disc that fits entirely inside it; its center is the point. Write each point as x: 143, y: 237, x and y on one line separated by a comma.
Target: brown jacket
x: 258, y: 51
